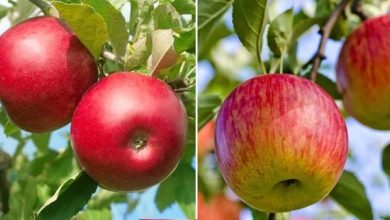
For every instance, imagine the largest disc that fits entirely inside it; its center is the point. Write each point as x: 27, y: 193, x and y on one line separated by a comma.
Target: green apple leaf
x: 10, y: 129
x: 208, y: 106
x: 249, y: 22
x: 118, y: 4
x: 104, y: 198
x: 185, y: 40
x: 303, y: 23
x: 386, y: 160
x: 184, y: 6
x: 163, y: 52
x: 137, y: 53
x: 165, y: 16
x: 258, y: 215
x: 216, y: 33
x: 92, y: 214
x: 41, y: 141
x: 116, y: 24
x: 69, y: 198
x: 61, y: 167
x: 329, y: 86
x: 88, y: 25
x: 350, y: 194
x: 180, y: 188
x: 280, y: 32
x: 3, y: 11
x: 140, y: 18
x: 209, y: 14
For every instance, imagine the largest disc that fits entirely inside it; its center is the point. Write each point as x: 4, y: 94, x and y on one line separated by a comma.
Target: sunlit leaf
x: 207, y: 108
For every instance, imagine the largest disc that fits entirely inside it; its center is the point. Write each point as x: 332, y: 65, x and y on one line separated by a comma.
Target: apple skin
x: 363, y: 73
x: 281, y: 142
x: 112, y: 114
x: 44, y: 71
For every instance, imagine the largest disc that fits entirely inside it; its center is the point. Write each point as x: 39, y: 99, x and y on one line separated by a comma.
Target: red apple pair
x: 128, y: 131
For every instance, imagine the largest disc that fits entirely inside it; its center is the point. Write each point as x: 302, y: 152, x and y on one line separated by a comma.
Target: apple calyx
x: 139, y: 141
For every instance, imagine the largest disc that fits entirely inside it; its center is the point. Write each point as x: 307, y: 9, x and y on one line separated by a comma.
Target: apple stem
x: 357, y: 9
x: 5, y: 163
x: 271, y: 216
x: 44, y: 6
x: 325, y: 32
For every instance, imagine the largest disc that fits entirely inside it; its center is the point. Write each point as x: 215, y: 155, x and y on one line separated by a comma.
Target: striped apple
x: 363, y: 73
x: 281, y: 142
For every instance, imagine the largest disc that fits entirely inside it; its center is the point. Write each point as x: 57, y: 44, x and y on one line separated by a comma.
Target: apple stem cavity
x: 289, y: 182
x: 139, y: 141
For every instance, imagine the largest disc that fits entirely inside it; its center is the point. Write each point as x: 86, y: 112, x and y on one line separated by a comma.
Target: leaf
x: 61, y: 167
x: 184, y: 6
x: 23, y: 199
x: 249, y: 22
x: 41, y: 141
x: 69, y: 198
x: 280, y: 32
x: 137, y: 53
x: 104, y: 198
x: 303, y: 23
x: 3, y: 11
x: 349, y: 193
x: 140, y: 18
x: 386, y: 160
x: 118, y: 4
x: 21, y: 11
x: 258, y: 215
x: 212, y: 37
x: 89, y: 26
x: 180, y: 188
x: 328, y: 85
x: 209, y: 14
x: 207, y: 108
x: 185, y: 40
x: 163, y: 51
x: 116, y: 24
x: 10, y: 128
x: 91, y: 214
x: 165, y: 16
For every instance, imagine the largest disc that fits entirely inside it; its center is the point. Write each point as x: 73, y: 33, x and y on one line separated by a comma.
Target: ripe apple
x: 281, y: 142
x: 44, y: 71
x: 206, y: 139
x: 128, y: 131
x: 363, y: 73
x: 218, y: 208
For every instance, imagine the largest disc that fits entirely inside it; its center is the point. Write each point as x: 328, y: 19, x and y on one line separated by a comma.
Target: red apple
x: 218, y: 208
x: 44, y: 71
x: 128, y: 131
x: 206, y: 139
x: 281, y: 142
x: 363, y: 73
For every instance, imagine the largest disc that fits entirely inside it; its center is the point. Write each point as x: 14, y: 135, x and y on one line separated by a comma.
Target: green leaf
x: 212, y: 37
x: 23, y: 199
x: 349, y: 193
x: 89, y: 26
x: 165, y: 16
x: 140, y: 18
x: 104, y: 198
x: 10, y: 129
x: 185, y: 40
x: 163, y: 51
x: 280, y: 32
x: 303, y: 23
x: 258, y: 215
x: 184, y: 6
x: 21, y: 11
x: 249, y: 22
x: 328, y: 85
x: 61, y: 167
x: 116, y: 24
x: 91, y: 214
x: 180, y: 188
x: 209, y: 14
x: 69, y: 199
x: 208, y: 106
x: 41, y: 141
x: 386, y: 160
x: 118, y: 4
x: 137, y: 53
x: 3, y: 11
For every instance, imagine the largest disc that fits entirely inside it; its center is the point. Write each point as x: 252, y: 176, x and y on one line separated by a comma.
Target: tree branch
x: 44, y: 6
x: 357, y: 9
x: 271, y: 216
x: 325, y: 32
x: 5, y: 163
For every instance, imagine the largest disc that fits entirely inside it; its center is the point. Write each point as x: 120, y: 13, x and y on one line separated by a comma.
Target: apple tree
x: 241, y: 39
x: 39, y: 175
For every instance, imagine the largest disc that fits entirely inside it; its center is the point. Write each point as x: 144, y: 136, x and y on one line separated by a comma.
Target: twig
x: 325, y: 31
x: 272, y: 216
x: 5, y: 163
x: 357, y: 9
x: 44, y: 6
